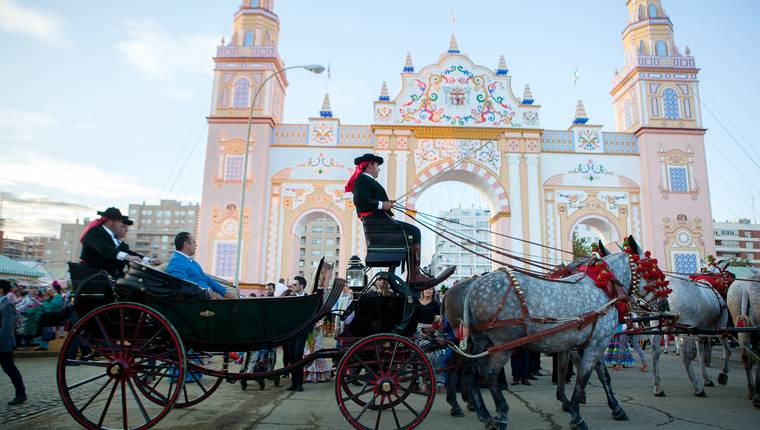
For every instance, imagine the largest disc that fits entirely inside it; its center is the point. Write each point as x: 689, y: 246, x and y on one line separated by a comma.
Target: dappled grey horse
x: 549, y: 303
x: 744, y: 304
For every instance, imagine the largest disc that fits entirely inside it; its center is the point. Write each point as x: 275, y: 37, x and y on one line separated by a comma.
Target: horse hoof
x: 619, y: 415
x: 722, y: 379
x: 701, y: 394
x: 582, y: 400
x: 566, y: 407
x: 756, y: 401
x: 659, y: 393
x: 579, y: 425
x: 709, y: 383
x: 457, y: 412
x: 471, y: 407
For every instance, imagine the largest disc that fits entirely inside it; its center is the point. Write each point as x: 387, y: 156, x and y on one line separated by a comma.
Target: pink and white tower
x: 656, y: 96
x: 240, y: 65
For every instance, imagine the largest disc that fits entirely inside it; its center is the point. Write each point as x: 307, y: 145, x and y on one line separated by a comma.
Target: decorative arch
x: 467, y: 172
x: 601, y: 225
x: 652, y: 10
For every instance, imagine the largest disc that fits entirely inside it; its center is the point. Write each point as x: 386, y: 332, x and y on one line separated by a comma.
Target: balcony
x: 247, y: 52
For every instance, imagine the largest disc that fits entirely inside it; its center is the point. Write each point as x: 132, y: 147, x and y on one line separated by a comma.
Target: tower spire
x: 580, y: 113
x: 408, y: 65
x: 384, y: 97
x: 453, y: 47
x: 326, y: 111
x: 502, y: 69
x: 527, y: 96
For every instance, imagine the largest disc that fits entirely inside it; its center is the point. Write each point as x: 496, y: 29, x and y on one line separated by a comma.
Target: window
x: 224, y: 258
x: 685, y: 263
x: 329, y: 241
x: 628, y: 113
x: 734, y: 243
x: 670, y: 103
x: 316, y: 229
x: 242, y: 90
x: 331, y: 229
x: 248, y: 39
x: 233, y: 167
x: 316, y: 241
x: 303, y: 240
x: 661, y: 49
x: 641, y: 12
x: 652, y: 11
x: 641, y: 47
x: 191, y: 213
x: 315, y: 253
x: 678, y: 179
x: 300, y: 263
x: 748, y: 234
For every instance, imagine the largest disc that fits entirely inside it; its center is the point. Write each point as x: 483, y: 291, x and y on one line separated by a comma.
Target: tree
x: 581, y: 246
x: 739, y: 262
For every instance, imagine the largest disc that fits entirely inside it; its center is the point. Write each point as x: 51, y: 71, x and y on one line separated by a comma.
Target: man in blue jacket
x: 183, y: 266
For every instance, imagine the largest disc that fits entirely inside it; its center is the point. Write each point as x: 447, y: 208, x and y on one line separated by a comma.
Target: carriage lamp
x: 355, y: 272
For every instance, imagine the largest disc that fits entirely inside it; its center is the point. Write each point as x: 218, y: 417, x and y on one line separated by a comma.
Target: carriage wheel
x: 123, y: 346
x: 197, y: 387
x: 389, y: 375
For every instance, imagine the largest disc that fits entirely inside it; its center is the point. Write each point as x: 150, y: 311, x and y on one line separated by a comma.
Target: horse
x: 572, y: 313
x: 697, y: 305
x: 744, y: 304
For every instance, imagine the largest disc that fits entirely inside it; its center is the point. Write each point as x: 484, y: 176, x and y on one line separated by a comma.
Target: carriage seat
x: 386, y: 245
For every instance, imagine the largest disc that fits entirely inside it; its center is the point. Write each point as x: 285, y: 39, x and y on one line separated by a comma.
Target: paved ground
x: 532, y: 407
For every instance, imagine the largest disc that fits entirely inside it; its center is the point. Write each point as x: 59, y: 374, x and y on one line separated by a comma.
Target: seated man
x: 183, y: 266
x: 374, y: 207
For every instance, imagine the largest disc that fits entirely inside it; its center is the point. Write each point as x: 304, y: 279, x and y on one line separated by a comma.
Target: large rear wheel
x: 385, y: 381
x: 108, y: 365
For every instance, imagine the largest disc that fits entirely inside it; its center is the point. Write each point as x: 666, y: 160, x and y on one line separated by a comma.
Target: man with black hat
x: 123, y: 229
x: 374, y: 207
x: 100, y: 243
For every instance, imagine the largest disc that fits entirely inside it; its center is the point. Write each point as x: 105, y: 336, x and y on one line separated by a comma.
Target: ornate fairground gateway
x: 648, y: 178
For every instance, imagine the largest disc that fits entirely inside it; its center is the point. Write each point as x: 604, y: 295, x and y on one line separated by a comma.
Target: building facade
x: 467, y: 227
x: 738, y: 241
x: 155, y: 226
x: 319, y: 237
x: 457, y: 120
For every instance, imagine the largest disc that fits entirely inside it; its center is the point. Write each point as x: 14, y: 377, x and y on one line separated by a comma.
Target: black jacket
x: 367, y: 195
x: 99, y: 251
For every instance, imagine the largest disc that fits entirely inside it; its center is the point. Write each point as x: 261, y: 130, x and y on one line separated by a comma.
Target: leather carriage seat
x: 386, y: 245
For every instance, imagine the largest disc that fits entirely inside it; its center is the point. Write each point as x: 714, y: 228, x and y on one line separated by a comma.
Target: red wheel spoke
x: 411, y: 391
x: 95, y: 395
x: 138, y: 327
x: 121, y: 330
x: 108, y: 404
x: 138, y: 401
x: 105, y: 336
x: 152, y: 390
x: 403, y: 402
x: 184, y: 390
x: 365, y: 365
x: 86, y: 381
x: 366, y: 389
x: 379, y: 413
x: 149, y: 341
x: 393, y: 356
x: 124, y: 412
x: 364, y: 409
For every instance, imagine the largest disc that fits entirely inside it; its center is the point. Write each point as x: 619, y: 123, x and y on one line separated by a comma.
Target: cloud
x: 46, y: 27
x: 160, y: 55
x: 32, y: 215
x: 23, y: 126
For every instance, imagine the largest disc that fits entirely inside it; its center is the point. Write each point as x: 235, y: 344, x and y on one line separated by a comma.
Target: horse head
x: 649, y: 287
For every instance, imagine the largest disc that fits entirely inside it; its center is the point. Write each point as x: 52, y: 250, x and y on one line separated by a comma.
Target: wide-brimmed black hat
x: 127, y: 221
x: 112, y: 213
x: 368, y: 157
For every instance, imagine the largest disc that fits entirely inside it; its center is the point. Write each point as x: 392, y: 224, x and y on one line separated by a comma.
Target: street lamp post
x: 314, y: 68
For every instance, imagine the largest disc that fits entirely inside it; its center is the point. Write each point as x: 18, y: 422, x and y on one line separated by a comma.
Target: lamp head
x: 315, y: 68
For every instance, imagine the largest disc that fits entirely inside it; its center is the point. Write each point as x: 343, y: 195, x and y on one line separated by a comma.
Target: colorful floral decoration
x: 430, y: 151
x: 590, y: 171
x: 321, y: 162
x: 458, y: 97
x: 323, y: 133
x: 588, y: 139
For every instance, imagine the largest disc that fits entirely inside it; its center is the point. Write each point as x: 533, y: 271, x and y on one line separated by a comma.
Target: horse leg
x: 581, y: 379
x: 723, y: 375
x: 618, y: 413
x: 688, y: 351
x: 562, y: 362
x: 747, y: 363
x: 756, y: 397
x: 703, y: 357
x: 656, y: 352
x: 451, y: 386
x: 497, y: 363
x: 471, y: 383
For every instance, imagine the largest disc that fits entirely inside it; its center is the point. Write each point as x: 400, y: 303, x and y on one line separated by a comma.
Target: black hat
x: 112, y: 213
x: 368, y: 157
x: 127, y: 221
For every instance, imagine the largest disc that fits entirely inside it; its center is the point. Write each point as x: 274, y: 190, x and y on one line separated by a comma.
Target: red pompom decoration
x: 647, y: 254
x: 740, y: 323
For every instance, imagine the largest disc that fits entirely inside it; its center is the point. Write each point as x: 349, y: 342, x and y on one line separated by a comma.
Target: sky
x: 104, y: 103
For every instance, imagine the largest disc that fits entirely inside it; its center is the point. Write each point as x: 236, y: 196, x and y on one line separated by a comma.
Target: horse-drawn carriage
x: 150, y: 342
